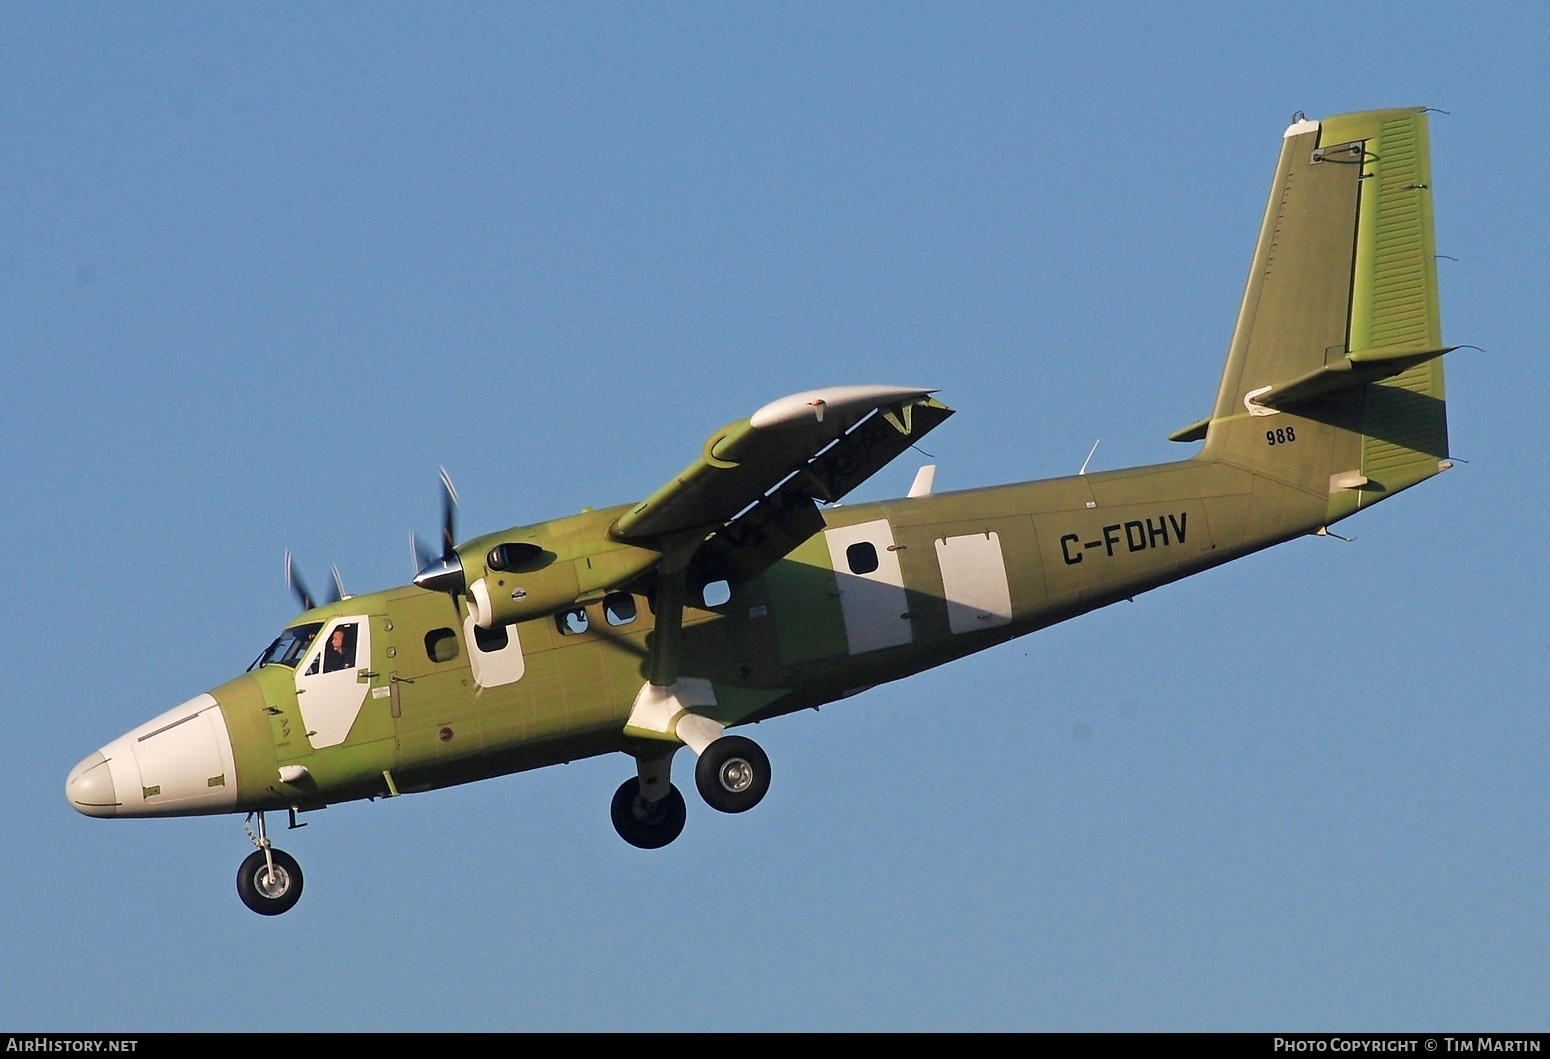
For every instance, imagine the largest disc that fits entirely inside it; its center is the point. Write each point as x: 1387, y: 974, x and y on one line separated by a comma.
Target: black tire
x: 648, y: 825
x: 733, y: 774
x: 265, y: 896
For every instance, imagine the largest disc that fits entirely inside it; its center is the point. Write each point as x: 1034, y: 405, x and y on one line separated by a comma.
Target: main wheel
x: 647, y: 825
x: 733, y: 774
x: 266, y: 895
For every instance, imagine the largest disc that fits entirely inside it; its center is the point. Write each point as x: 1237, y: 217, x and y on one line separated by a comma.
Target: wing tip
x: 797, y: 407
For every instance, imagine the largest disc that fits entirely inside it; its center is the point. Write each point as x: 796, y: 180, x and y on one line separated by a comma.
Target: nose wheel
x: 269, y: 881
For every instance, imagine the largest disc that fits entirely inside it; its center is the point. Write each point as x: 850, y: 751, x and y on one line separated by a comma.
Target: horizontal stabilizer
x: 1359, y: 369
x: 1196, y: 431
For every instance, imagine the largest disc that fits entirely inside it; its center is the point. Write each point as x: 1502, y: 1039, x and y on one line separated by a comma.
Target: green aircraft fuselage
x: 741, y: 591
x: 778, y: 645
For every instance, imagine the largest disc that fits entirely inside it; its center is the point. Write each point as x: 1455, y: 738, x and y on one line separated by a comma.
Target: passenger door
x: 871, y: 586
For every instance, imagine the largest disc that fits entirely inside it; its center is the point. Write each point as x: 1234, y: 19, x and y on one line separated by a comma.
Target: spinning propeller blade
x: 420, y: 553
x: 294, y: 582
x: 304, y: 595
x: 448, y: 516
x: 446, y: 573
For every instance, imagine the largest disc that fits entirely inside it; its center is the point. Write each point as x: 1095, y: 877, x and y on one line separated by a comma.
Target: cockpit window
x: 288, y: 647
x: 339, y: 652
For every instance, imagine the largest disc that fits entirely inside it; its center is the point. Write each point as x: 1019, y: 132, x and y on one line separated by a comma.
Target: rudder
x: 1394, y: 304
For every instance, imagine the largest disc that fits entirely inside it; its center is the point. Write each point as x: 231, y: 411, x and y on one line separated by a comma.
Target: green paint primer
x: 806, y: 604
x: 1404, y: 424
x: 733, y: 703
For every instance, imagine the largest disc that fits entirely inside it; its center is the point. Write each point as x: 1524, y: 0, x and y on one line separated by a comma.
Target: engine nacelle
x: 550, y: 571
x: 501, y: 598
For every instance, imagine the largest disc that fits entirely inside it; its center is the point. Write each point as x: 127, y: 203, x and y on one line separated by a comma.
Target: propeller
x: 443, y: 574
x: 419, y: 554
x: 294, y: 582
x: 304, y: 595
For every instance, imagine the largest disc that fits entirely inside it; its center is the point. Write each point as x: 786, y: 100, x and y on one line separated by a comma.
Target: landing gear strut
x: 269, y: 881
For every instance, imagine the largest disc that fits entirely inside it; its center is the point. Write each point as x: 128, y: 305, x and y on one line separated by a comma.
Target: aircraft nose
x: 89, y: 788
x: 180, y: 763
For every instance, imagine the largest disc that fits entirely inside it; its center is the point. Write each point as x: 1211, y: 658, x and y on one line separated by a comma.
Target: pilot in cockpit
x: 339, y: 652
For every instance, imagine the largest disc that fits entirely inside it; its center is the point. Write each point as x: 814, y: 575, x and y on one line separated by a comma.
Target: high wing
x: 754, y: 490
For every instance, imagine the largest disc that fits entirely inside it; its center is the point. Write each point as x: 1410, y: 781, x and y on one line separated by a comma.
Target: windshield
x: 288, y: 647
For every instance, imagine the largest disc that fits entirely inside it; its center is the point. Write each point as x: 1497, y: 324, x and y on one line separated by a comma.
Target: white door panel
x: 499, y: 665
x: 974, y: 581
x: 872, y: 600
x: 329, y: 691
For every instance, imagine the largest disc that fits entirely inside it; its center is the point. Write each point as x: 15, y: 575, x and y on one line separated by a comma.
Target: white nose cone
x: 89, y: 789
x: 178, y: 764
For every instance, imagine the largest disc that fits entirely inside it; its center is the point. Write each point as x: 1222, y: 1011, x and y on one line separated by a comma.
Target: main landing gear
x: 733, y: 775
x: 648, y: 824
x: 269, y: 881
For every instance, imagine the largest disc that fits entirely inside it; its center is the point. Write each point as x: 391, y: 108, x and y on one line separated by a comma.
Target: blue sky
x: 263, y: 269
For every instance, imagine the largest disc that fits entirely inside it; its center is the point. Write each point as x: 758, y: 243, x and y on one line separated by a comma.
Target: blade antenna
x: 338, y: 584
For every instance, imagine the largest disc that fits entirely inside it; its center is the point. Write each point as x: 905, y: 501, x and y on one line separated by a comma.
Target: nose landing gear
x: 269, y: 881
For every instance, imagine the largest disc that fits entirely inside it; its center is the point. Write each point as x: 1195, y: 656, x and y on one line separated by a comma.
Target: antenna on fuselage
x: 1089, y: 458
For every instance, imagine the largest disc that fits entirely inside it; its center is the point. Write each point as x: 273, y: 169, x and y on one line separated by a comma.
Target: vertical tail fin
x: 1334, y: 376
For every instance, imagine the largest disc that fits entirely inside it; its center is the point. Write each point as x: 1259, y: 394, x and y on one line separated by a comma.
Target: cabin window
x: 441, y: 645
x: 716, y: 593
x: 619, y: 608
x: 861, y: 557
x: 491, y: 640
x: 572, y: 622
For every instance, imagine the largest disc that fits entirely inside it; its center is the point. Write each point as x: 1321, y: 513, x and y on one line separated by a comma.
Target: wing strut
x: 672, y: 587
x: 664, y: 708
